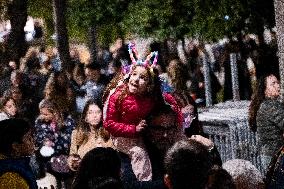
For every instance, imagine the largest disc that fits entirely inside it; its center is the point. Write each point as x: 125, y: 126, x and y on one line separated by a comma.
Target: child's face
x: 46, y: 114
x: 93, y: 115
x: 139, y: 80
x: 10, y: 107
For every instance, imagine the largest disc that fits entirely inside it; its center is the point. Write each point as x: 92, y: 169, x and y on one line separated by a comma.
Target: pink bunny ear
x: 155, y: 53
x: 130, y: 51
x: 147, y: 61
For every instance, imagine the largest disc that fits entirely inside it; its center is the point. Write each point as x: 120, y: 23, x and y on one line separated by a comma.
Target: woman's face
x: 46, y: 114
x: 272, y: 87
x: 17, y: 95
x: 93, y: 115
x: 188, y: 115
x: 10, y: 107
x: 139, y: 80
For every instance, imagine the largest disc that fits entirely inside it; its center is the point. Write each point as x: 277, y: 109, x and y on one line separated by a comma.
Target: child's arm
x: 112, y: 124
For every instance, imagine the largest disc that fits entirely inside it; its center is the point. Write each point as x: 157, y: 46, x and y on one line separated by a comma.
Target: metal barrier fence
x: 227, y: 126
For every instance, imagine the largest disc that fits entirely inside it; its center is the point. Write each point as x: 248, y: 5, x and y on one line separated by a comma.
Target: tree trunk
x: 62, y: 40
x: 16, y: 45
x: 93, y: 44
x: 279, y: 19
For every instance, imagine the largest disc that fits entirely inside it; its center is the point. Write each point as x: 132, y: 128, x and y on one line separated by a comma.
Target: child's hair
x: 154, y: 89
x: 54, y: 109
x: 11, y: 131
x: 84, y: 128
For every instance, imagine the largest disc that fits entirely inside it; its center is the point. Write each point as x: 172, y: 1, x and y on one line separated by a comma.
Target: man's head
x: 16, y: 138
x: 98, y: 163
x: 244, y: 173
x: 163, y: 130
x: 187, y: 164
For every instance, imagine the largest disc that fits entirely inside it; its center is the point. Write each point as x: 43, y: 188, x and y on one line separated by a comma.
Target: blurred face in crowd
x: 272, y: 89
x: 46, y: 114
x: 17, y: 95
x: 10, y: 107
x: 163, y: 131
x: 16, y: 78
x: 139, y: 80
x: 188, y: 115
x: 93, y: 115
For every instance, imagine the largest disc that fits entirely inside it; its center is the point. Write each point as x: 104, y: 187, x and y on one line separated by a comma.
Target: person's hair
x: 105, y: 183
x: 178, y: 75
x: 244, y: 174
x: 5, y: 98
x: 220, y: 179
x: 60, y: 92
x: 187, y: 164
x: 78, y: 72
x: 12, y: 131
x: 112, y: 84
x: 84, y: 129
x: 54, y: 109
x: 99, y: 162
x: 257, y: 99
x: 93, y: 66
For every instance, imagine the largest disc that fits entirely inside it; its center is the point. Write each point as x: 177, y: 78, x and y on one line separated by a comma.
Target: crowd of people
x: 133, y: 127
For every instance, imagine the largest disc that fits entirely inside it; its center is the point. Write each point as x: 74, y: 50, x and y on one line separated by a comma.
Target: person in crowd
x: 5, y: 82
x: 88, y: 135
x: 59, y: 91
x: 178, y: 76
x: 16, y: 144
x: 97, y: 166
x: 266, y: 116
x: 219, y: 178
x: 163, y: 131
x: 244, y: 173
x: 8, y: 107
x: 23, y: 106
x: 93, y: 87
x: 78, y: 79
x: 52, y: 128
x: 53, y: 138
x: 20, y: 80
x: 187, y: 165
x: 126, y: 112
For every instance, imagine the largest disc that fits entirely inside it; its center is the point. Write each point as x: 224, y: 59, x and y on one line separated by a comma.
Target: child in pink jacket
x: 126, y: 113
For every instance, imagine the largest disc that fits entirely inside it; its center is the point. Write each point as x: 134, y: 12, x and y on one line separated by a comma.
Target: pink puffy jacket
x: 123, y: 117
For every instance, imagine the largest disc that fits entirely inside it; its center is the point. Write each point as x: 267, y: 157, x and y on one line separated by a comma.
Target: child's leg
x: 141, y: 164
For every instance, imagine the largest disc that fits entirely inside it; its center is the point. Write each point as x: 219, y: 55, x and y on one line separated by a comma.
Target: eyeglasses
x: 171, y: 129
x: 188, y: 114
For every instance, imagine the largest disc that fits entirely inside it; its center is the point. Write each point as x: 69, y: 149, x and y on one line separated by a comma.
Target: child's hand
x: 73, y: 162
x: 48, y: 143
x: 141, y: 126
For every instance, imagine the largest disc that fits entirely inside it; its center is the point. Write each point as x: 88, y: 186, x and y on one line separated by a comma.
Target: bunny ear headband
x: 147, y: 63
